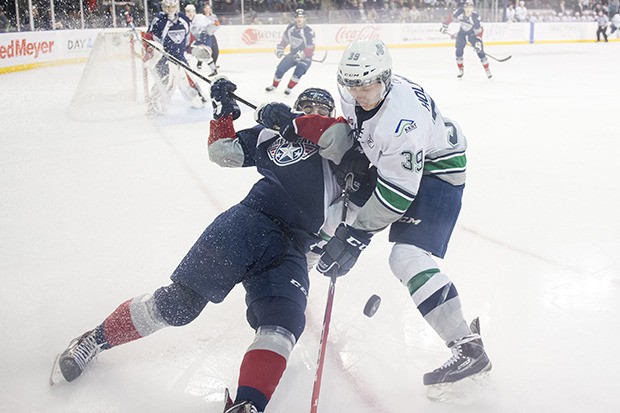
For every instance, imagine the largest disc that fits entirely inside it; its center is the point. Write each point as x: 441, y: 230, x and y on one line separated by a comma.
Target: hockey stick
x: 497, y: 59
x: 192, y: 71
x: 321, y: 60
x: 316, y: 390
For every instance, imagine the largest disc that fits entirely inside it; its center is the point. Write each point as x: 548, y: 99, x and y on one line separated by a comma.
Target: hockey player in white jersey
x: 204, y: 44
x: 420, y: 160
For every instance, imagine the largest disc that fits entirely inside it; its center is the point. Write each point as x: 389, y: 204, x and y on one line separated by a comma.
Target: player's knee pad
x: 407, y: 260
x: 178, y: 305
x: 274, y: 338
x: 277, y: 311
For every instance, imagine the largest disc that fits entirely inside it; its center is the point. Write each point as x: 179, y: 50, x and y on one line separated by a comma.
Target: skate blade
x: 56, y: 375
x: 462, y: 392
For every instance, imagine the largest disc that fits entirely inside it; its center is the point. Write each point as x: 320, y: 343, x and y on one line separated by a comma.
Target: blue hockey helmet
x: 316, y: 97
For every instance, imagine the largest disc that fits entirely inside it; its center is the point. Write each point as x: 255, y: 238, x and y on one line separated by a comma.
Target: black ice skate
x: 468, y: 359
x: 460, y: 73
x: 270, y: 88
x: 71, y: 363
x: 241, y: 407
x: 488, y: 72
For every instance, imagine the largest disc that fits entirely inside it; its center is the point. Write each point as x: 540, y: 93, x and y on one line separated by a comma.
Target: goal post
x: 114, y: 83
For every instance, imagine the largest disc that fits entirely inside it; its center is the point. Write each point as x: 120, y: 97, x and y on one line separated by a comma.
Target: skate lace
x: 85, y: 351
x: 457, y: 350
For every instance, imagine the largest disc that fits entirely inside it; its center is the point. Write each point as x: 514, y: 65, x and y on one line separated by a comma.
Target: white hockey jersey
x: 405, y: 139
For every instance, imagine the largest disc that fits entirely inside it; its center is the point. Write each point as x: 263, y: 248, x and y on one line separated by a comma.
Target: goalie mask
x: 365, y: 73
x: 171, y: 8
x: 315, y: 100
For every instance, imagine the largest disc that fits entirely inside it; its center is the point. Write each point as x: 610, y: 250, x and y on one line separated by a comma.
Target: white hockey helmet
x: 171, y: 8
x: 190, y: 11
x: 363, y: 63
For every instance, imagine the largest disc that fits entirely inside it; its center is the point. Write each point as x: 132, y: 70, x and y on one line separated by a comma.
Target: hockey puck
x: 372, y: 305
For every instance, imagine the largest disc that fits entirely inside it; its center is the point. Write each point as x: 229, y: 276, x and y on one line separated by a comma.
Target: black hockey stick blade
x: 321, y: 60
x: 498, y: 59
x: 178, y: 62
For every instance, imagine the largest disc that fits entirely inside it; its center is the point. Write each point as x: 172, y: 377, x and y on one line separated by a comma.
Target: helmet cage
x: 316, y: 97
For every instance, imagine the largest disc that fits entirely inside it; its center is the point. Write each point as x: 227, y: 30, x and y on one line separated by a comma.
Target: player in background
x: 204, y: 45
x: 420, y: 160
x: 261, y: 242
x: 300, y: 37
x: 470, y: 30
x: 172, y: 30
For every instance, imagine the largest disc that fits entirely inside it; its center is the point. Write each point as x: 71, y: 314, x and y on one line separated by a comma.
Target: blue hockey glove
x: 279, y: 52
x: 223, y: 103
x: 478, y: 46
x: 279, y: 117
x: 342, y: 250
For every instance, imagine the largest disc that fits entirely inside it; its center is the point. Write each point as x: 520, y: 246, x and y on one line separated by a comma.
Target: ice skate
x: 270, y: 88
x: 241, y: 407
x: 213, y: 73
x: 468, y: 361
x: 488, y: 72
x: 287, y: 91
x: 460, y: 73
x: 71, y: 363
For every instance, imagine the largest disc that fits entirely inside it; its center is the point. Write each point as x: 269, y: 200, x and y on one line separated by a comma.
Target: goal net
x: 114, y: 82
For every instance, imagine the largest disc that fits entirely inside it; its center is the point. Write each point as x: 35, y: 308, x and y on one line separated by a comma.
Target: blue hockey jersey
x: 174, y: 36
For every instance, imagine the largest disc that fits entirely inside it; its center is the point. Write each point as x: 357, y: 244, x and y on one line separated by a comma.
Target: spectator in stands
x: 614, y: 7
x: 510, y: 13
x: 615, y: 23
x: 4, y: 22
x: 127, y: 16
x: 603, y: 22
x: 521, y: 12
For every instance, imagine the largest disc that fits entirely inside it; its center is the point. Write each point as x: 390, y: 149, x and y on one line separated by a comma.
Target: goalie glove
x: 223, y: 103
x: 342, y: 251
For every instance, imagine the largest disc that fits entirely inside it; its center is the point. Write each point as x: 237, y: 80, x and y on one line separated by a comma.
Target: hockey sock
x: 438, y: 301
x: 292, y: 83
x: 221, y: 128
x: 133, y: 319
x: 260, y: 373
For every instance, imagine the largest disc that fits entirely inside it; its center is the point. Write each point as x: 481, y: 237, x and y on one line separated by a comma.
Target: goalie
x: 172, y: 30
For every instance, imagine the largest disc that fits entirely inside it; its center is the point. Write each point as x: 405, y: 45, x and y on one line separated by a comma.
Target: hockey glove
x: 444, y: 28
x: 279, y: 117
x: 279, y: 52
x: 478, y: 45
x: 342, y: 250
x: 223, y: 103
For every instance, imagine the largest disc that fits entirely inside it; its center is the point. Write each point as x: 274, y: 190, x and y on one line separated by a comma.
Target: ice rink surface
x: 95, y: 213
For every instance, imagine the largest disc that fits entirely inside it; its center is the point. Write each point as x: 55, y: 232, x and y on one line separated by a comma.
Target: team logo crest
x: 283, y: 152
x: 405, y: 126
x: 177, y: 36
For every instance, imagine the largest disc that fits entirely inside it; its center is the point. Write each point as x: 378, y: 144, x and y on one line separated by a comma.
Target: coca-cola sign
x: 348, y: 34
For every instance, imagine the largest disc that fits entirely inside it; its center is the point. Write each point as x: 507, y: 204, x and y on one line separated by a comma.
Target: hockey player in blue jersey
x: 261, y: 243
x: 300, y: 37
x: 471, y: 31
x: 172, y: 30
